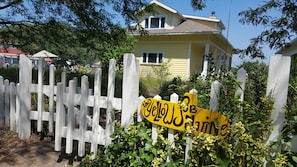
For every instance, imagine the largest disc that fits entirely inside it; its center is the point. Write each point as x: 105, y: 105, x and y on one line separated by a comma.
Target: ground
x: 32, y: 152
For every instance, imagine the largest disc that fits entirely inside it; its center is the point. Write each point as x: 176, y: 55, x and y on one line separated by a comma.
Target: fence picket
x: 241, y: 78
x: 60, y: 119
x: 130, y: 91
x: 110, y: 115
x: 70, y: 116
x: 6, y: 103
x: 277, y: 89
x: 96, y: 112
x: 51, y: 98
x: 139, y: 114
x: 40, y: 99
x: 154, y: 126
x: 25, y: 103
x: 189, y: 141
x: 214, y: 96
x: 83, y: 115
x: 18, y: 108
x: 2, y: 114
x: 12, y: 106
x: 174, y: 99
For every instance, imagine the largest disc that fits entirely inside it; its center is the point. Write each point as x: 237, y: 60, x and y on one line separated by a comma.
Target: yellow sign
x: 174, y: 116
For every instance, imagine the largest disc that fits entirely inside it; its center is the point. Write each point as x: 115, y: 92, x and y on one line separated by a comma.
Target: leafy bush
x: 244, y: 146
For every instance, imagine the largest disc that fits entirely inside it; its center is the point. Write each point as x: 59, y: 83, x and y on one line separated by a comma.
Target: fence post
x: 25, y: 103
x: 12, y: 106
x: 6, y: 103
x: 40, y: 101
x: 277, y: 89
x: 174, y: 99
x: 130, y: 89
x: 96, y: 111
x: 110, y: 96
x: 51, y: 98
x: 2, y: 114
x: 83, y: 115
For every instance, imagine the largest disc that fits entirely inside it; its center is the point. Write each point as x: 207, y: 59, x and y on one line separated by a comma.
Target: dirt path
x: 31, y: 153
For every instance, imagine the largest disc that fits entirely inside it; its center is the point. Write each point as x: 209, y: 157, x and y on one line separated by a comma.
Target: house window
x: 155, y: 22
x: 152, y: 57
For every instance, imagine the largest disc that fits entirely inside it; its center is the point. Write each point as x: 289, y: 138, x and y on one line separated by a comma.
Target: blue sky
x: 239, y: 35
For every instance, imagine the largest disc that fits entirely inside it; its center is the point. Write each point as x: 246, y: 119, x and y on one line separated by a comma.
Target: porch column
x: 215, y: 57
x: 227, y: 61
x: 188, y: 74
x: 220, y: 60
x: 205, y: 62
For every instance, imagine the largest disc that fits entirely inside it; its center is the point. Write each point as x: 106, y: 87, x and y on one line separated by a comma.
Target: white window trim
x: 157, y: 61
x: 155, y: 16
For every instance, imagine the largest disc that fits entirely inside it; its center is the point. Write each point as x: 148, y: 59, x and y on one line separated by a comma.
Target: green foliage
x: 162, y: 71
x: 130, y: 147
x: 80, y: 45
x: 278, y: 20
x: 244, y: 146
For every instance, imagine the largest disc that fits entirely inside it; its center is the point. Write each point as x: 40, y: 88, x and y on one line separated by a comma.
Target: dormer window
x: 154, y: 22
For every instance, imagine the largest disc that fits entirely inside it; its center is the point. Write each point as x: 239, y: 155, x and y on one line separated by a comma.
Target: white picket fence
x: 74, y: 112
x: 69, y: 108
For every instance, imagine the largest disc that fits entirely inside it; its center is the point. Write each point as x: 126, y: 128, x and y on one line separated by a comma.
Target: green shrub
x: 244, y: 146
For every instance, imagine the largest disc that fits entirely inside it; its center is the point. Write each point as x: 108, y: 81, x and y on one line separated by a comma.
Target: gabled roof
x: 165, y: 7
x: 206, y: 19
x: 185, y: 17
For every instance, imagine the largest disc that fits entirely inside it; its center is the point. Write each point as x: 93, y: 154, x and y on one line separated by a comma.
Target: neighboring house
x: 185, y: 41
x: 291, y: 50
x: 9, y: 54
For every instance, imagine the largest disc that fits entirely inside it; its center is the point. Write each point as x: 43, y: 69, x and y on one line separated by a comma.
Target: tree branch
x: 10, y: 4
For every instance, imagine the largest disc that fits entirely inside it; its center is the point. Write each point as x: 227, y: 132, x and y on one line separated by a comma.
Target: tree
x: 83, y: 30
x: 278, y: 30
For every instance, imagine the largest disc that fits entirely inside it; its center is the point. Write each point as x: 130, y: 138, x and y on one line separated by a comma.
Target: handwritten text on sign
x: 174, y: 116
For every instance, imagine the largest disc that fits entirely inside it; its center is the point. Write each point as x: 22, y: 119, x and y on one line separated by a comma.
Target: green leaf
x: 294, y: 158
x: 147, y: 157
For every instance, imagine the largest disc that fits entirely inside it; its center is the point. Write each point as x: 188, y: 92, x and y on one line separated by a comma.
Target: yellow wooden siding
x: 190, y: 37
x: 175, y: 52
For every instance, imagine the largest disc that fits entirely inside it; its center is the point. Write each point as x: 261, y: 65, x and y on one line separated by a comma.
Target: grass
x: 149, y: 87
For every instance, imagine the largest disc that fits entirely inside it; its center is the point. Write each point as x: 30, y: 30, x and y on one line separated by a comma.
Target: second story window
x: 155, y: 22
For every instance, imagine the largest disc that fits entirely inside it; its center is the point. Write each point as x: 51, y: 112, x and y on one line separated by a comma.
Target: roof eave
x: 179, y: 33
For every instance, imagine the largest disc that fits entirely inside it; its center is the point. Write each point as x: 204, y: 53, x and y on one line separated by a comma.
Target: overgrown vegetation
x: 244, y: 146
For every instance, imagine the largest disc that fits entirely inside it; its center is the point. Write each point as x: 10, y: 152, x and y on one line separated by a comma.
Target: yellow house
x: 182, y: 40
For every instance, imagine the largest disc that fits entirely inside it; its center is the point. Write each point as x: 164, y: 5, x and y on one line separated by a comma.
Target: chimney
x: 213, y: 15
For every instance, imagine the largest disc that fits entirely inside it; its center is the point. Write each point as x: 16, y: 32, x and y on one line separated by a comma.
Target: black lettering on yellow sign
x: 174, y: 116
